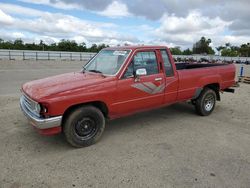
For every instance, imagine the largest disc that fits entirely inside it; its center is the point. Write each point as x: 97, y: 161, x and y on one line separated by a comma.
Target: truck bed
x: 181, y: 66
x: 195, y: 76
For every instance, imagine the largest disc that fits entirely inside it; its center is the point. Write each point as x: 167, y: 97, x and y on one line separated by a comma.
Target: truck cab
x: 143, y: 81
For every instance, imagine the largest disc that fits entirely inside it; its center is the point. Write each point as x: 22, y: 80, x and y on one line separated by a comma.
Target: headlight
x: 37, y: 108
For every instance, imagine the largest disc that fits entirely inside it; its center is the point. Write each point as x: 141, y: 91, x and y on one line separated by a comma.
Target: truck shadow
x: 169, y: 113
x: 127, y: 124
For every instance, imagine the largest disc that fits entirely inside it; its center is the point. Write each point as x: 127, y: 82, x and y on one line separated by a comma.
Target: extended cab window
x: 167, y: 65
x: 146, y: 60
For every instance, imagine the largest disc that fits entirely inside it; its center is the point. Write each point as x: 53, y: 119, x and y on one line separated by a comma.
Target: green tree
x: 220, y: 48
x: 82, y: 47
x: 187, y: 52
x: 244, y: 50
x: 228, y: 45
x: 176, y: 50
x: 31, y: 46
x: 42, y: 45
x: 63, y: 45
x: 67, y: 45
x: 93, y: 48
x: 18, y: 44
x: 53, y: 47
x: 7, y: 45
x: 229, y: 50
x: 202, y: 46
x: 101, y: 46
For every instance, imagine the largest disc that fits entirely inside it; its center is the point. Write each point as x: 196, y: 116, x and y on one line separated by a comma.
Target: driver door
x: 139, y: 93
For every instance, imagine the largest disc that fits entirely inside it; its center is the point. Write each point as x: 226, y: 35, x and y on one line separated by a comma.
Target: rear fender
x: 212, y: 82
x: 211, y: 79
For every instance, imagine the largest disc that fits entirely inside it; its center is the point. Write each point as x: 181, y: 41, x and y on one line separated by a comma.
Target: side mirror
x: 141, y: 72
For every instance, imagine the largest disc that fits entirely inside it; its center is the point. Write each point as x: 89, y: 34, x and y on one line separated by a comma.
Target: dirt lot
x: 169, y: 147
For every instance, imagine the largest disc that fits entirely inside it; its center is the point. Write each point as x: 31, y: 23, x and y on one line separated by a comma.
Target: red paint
x: 63, y: 91
x: 50, y: 131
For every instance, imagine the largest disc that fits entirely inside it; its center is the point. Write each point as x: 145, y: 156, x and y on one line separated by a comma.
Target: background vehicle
x: 118, y: 82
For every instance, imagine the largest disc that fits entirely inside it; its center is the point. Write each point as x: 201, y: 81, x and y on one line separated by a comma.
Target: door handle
x: 158, y: 79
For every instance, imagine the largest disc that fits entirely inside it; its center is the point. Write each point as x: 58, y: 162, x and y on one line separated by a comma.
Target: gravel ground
x: 168, y: 147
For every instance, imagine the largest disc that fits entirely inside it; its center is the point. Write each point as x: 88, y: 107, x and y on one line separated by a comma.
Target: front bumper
x: 39, y: 122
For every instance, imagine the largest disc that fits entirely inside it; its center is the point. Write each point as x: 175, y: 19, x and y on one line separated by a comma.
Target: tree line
x: 63, y: 45
x: 200, y: 47
x: 203, y: 47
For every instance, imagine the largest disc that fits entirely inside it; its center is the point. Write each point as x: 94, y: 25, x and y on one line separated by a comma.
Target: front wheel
x: 205, y: 103
x: 84, y: 126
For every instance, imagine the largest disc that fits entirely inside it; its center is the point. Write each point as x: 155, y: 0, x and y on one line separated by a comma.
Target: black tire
x: 84, y: 126
x: 193, y: 101
x: 205, y: 103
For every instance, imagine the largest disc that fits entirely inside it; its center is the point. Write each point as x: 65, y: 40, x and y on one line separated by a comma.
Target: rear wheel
x: 84, y: 126
x: 205, y: 103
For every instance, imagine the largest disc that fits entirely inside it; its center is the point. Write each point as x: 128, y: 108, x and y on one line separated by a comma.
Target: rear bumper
x: 38, y: 122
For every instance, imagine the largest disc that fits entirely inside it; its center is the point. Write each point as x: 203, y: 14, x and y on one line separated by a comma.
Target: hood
x: 41, y: 88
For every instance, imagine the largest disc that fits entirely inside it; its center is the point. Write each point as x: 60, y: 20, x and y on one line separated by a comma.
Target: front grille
x: 29, y: 104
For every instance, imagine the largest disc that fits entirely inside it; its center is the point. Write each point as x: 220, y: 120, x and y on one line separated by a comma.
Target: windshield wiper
x: 96, y: 71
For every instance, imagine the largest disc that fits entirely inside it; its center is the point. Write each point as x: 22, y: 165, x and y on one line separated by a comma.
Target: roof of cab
x: 135, y: 47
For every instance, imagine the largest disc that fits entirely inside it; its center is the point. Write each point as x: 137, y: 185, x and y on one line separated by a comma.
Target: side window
x: 146, y: 60
x: 130, y: 70
x: 167, y: 65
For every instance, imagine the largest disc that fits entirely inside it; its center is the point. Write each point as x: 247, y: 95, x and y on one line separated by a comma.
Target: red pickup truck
x: 118, y: 82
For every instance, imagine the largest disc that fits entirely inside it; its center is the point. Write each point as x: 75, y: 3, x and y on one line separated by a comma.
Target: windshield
x: 107, y: 61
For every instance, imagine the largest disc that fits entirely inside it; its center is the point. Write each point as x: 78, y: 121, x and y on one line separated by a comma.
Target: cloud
x: 193, y: 22
x: 55, y: 4
x: 115, y: 9
x: 56, y: 26
x: 20, y: 10
x: 107, y: 8
x: 149, y: 9
x: 172, y: 22
x: 233, y: 11
x: 184, y: 31
x: 5, y: 19
x: 93, y: 5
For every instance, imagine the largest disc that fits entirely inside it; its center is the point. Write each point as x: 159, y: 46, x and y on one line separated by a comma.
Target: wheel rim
x: 209, y: 102
x: 85, y: 128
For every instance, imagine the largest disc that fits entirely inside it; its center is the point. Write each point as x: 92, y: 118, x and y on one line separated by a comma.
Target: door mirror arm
x: 139, y: 73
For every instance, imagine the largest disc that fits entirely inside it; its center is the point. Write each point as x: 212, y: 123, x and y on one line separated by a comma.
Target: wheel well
x: 98, y: 104
x: 216, y: 88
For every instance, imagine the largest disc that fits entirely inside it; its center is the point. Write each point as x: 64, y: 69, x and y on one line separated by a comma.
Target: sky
x: 154, y: 22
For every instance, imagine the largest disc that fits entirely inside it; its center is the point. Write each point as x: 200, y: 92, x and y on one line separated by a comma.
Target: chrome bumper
x: 38, y: 122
